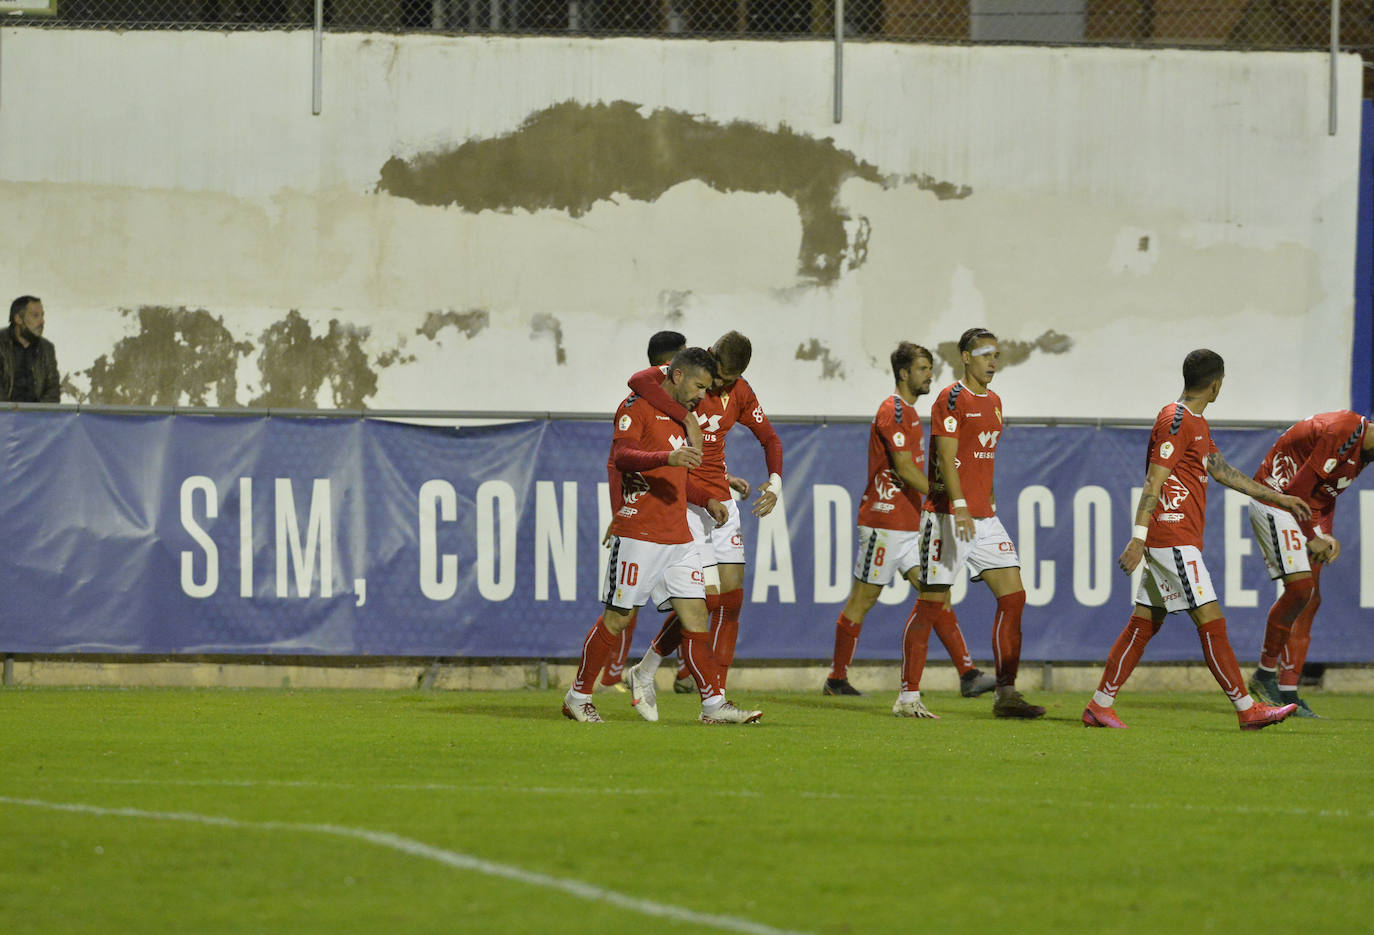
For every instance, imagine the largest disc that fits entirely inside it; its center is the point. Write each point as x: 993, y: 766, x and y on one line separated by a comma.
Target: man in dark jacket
x: 28, y: 362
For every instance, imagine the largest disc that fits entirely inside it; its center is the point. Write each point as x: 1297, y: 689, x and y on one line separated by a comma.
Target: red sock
x: 1126, y: 652
x: 1216, y: 649
x: 725, y: 630
x: 669, y: 636
x: 701, y: 663
x: 846, y: 641
x: 596, y: 649
x: 916, y: 642
x: 947, y: 629
x: 1295, y: 651
x: 1006, y: 637
x: 1295, y: 596
x: 615, y: 666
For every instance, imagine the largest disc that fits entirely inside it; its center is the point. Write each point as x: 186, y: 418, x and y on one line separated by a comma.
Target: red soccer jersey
x: 653, y: 500
x: 975, y: 422
x: 888, y: 503
x: 1317, y: 459
x: 1181, y: 442
x: 717, y: 413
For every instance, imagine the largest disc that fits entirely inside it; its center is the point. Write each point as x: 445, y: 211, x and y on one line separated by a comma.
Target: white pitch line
x: 456, y: 859
x: 1259, y: 810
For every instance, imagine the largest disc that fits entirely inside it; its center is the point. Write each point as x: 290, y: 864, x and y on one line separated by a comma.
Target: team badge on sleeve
x: 898, y: 439
x: 1165, y: 450
x: 1329, y: 466
x: 951, y: 424
x: 625, y: 422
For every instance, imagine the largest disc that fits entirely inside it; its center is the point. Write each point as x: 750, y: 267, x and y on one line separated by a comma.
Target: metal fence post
x: 317, y: 78
x: 1335, y: 54
x: 839, y: 60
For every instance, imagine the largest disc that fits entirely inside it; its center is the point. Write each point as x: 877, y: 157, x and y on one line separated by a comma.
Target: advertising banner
x: 341, y: 536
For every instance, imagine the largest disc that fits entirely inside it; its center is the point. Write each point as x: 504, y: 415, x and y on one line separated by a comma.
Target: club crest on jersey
x: 1173, y: 494
x: 899, y: 439
x: 997, y: 412
x: 886, y: 484
x: 624, y: 422
x: 1166, y: 450
x: 951, y: 424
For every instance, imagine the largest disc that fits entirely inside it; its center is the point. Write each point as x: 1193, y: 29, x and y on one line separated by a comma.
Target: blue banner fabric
x: 257, y: 535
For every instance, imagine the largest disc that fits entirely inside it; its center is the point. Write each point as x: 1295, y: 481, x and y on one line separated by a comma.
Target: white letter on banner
x: 495, y: 501
x: 556, y: 540
x: 1238, y: 545
x: 773, y: 558
x: 319, y: 536
x: 1366, y: 541
x: 1092, y: 546
x: 438, y: 574
x: 245, y: 537
x: 834, y: 542
x: 1035, y: 509
x: 201, y: 537
x: 603, y: 523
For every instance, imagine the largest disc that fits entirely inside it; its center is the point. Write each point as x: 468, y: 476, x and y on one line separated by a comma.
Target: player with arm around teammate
x: 652, y: 552
x: 1314, y: 460
x: 889, y: 526
x: 730, y: 401
x: 1169, y: 521
x: 960, y: 526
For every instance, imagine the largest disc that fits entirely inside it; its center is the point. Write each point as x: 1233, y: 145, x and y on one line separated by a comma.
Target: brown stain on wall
x: 295, y: 365
x: 544, y: 323
x: 1013, y: 352
x: 831, y: 368
x: 570, y: 156
x: 470, y: 323
x: 179, y: 357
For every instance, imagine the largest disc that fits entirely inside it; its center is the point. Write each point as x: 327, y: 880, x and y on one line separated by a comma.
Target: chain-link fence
x: 1271, y: 24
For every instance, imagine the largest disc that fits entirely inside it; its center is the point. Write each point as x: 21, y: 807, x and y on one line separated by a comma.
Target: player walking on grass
x: 1314, y: 460
x: 960, y: 526
x: 1168, y: 535
x: 731, y: 400
x: 652, y: 552
x: 889, y: 532
x: 663, y: 345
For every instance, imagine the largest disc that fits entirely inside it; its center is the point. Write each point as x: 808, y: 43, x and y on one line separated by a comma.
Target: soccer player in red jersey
x: 960, y: 526
x: 663, y: 345
x: 1168, y: 535
x: 1314, y: 460
x: 730, y: 401
x: 889, y: 528
x: 652, y: 552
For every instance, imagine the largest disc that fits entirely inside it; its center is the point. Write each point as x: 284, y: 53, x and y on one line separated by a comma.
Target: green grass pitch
x: 215, y: 811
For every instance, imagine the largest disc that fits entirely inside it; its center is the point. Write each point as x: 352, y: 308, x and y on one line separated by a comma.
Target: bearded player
x: 652, y: 552
x: 730, y: 401
x: 1169, y: 521
x: 1314, y: 460
x: 889, y: 525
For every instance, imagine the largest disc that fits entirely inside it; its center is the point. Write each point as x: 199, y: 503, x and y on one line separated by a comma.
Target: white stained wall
x: 1139, y: 202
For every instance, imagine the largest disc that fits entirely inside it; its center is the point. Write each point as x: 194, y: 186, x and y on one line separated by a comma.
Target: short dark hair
x: 663, y: 345
x: 18, y: 306
x: 694, y: 358
x: 905, y: 355
x: 733, y: 352
x: 967, y: 339
x: 1201, y: 367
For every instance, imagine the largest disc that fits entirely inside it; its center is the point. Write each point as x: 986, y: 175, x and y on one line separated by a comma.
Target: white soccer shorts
x: 1281, y: 540
x: 1175, y: 578
x: 884, y: 553
x: 718, y: 545
x: 641, y: 571
x: 943, y: 554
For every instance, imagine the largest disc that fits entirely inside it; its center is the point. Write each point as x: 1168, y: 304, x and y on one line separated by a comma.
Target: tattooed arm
x: 1144, y: 510
x: 1223, y: 473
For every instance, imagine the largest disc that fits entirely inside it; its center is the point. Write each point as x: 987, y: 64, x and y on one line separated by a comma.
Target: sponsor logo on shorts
x: 697, y: 576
